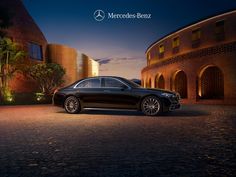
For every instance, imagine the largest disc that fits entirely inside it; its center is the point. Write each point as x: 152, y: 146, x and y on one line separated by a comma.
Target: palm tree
x: 10, y: 56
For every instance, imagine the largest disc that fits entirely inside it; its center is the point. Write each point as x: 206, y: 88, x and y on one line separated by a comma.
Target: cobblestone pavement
x: 44, y: 141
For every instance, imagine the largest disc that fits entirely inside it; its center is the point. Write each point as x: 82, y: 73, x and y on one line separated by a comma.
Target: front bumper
x: 174, y: 102
x: 174, y: 106
x: 171, y: 104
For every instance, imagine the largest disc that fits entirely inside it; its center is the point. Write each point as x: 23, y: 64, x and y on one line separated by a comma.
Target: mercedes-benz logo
x: 99, y: 15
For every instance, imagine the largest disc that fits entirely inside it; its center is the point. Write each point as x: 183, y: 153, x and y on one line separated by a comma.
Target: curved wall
x: 77, y: 65
x: 213, y: 49
x: 67, y: 58
x: 23, y: 30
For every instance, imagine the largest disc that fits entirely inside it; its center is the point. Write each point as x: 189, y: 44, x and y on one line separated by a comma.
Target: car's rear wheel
x: 72, y: 105
x: 151, y: 106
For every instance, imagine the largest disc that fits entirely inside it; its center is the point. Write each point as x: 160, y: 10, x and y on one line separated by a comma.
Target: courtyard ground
x: 44, y: 141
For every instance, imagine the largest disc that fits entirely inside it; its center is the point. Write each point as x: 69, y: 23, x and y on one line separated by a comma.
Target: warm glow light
x: 8, y: 96
x: 10, y: 99
x: 199, y: 92
x: 39, y: 96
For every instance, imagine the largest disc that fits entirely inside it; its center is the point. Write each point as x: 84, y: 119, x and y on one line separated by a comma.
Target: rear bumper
x: 58, y: 100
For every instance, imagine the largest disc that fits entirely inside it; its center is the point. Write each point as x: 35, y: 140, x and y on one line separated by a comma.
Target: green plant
x: 48, y: 76
x: 10, y: 60
x: 40, y: 97
x: 7, y: 95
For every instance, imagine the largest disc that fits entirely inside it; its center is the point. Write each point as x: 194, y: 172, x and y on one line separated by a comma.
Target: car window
x: 89, y: 83
x: 132, y: 83
x: 110, y: 82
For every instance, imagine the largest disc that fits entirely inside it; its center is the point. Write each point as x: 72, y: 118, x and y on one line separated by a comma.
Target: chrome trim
x: 100, y: 78
x: 86, y: 80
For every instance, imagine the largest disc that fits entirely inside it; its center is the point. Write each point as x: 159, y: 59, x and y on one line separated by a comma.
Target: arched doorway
x: 160, y: 82
x: 180, y: 84
x: 211, y: 83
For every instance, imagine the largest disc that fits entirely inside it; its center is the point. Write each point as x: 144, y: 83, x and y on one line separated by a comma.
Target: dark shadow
x: 113, y: 112
x: 109, y: 112
x: 184, y: 112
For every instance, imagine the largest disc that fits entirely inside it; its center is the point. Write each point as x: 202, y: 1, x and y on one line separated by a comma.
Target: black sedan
x: 114, y: 93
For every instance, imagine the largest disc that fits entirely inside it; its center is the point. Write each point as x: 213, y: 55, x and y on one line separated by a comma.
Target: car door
x: 90, y: 93
x: 116, y: 94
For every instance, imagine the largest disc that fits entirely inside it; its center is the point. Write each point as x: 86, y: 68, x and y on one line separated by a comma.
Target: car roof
x: 105, y: 76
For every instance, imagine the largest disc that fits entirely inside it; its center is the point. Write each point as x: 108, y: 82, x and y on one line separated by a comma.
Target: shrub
x: 48, y: 76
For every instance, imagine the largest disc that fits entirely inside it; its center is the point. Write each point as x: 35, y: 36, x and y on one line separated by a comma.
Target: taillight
x: 55, y: 91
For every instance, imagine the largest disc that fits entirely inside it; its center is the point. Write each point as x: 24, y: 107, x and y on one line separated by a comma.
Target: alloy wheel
x: 151, y: 106
x: 72, y: 105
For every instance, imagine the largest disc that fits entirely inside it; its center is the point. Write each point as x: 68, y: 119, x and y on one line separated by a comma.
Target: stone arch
x: 148, y: 83
x: 159, y: 81
x: 180, y: 83
x: 211, y: 83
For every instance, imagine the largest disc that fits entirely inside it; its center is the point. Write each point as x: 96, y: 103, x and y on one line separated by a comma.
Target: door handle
x: 106, y: 90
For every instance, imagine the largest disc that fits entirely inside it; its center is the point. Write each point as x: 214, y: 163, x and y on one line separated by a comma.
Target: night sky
x: 118, y: 44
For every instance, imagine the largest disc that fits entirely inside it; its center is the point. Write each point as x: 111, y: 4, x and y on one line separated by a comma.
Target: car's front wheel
x: 72, y: 105
x: 151, y: 106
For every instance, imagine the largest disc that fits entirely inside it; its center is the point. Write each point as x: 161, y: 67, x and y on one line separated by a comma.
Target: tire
x: 72, y: 105
x: 151, y: 106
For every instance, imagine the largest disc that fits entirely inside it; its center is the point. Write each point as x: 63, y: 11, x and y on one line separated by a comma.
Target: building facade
x: 198, y: 61
x: 24, y: 31
x: 89, y: 67
x: 66, y: 57
x: 76, y: 64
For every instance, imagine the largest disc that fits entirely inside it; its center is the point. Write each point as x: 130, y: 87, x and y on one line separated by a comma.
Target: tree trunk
x: 7, y: 69
x: 1, y: 74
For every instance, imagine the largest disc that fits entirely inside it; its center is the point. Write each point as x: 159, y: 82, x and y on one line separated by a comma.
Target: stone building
x: 27, y: 34
x: 88, y: 66
x: 76, y: 64
x: 198, y: 61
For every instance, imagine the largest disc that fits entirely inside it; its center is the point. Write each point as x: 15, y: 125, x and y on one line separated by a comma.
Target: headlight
x: 167, y: 94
